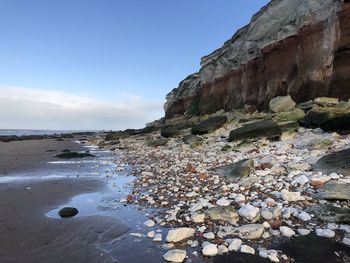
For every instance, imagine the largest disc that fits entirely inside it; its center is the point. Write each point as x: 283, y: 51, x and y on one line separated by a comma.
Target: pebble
x: 325, y: 233
x: 334, y: 176
x: 168, y: 246
x: 272, y: 255
x: 210, y: 250
x: 209, y: 235
x: 267, y: 215
x: 178, y: 234
x: 304, y: 216
x: 286, y: 231
x: 223, y: 202
x: 175, y: 255
x: 195, y: 243
x: 222, y: 249
x: 300, y: 180
x: 249, y: 212
x: 235, y: 245
x: 157, y: 237
x: 303, y: 232
x: 198, y: 218
x: 346, y: 241
x: 149, y: 223
x: 247, y: 249
x: 137, y: 235
x: 291, y: 196
x: 151, y: 234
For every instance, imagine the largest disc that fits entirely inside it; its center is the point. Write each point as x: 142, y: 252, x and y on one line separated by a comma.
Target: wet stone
x: 68, y: 212
x: 338, y: 162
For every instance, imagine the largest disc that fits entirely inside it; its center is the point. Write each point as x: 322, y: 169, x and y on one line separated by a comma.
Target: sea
x: 25, y: 132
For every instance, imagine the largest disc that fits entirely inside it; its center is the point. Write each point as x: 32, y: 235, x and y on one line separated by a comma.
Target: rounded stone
x: 68, y: 212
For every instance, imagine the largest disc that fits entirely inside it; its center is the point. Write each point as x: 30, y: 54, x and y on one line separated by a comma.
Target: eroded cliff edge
x: 299, y: 47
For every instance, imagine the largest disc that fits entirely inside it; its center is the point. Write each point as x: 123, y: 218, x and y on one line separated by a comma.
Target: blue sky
x: 108, y: 52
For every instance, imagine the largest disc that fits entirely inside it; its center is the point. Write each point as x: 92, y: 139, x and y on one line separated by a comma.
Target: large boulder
x: 255, y: 130
x: 331, y: 213
x: 127, y: 133
x: 338, y: 162
x: 312, y: 248
x: 339, y: 124
x: 334, y: 190
x: 294, y: 115
x: 328, y: 119
x: 235, y: 171
x: 282, y: 104
x: 209, y: 125
x: 169, y: 132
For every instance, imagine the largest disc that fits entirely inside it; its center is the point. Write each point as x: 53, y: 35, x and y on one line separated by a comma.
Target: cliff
x: 299, y: 47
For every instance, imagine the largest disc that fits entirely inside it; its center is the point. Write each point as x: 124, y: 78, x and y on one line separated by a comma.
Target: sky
x: 104, y: 64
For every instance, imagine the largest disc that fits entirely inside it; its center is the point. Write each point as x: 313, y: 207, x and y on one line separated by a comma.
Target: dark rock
x: 127, y: 133
x: 119, y: 135
x: 68, y: 212
x: 236, y: 171
x: 334, y: 190
x: 193, y: 140
x: 339, y: 124
x: 314, y: 118
x: 209, y: 125
x: 314, y: 249
x: 66, y: 151
x: 331, y: 213
x: 328, y: 119
x: 259, y: 129
x: 338, y: 162
x: 69, y: 155
x: 157, y: 142
x: 170, y: 132
x: 306, y: 106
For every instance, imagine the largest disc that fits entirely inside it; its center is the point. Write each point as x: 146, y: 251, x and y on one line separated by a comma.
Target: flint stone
x: 179, y: 234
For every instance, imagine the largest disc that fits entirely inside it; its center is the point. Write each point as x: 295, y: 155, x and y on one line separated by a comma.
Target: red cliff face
x: 299, y: 47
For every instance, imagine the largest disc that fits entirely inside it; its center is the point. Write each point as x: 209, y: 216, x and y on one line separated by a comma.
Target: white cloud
x: 26, y: 108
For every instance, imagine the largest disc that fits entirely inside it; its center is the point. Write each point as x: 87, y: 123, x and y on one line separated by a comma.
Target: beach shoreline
x: 30, y: 187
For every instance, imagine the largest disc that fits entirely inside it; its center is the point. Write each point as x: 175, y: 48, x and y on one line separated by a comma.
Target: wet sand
x: 27, y: 235
x: 31, y: 155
